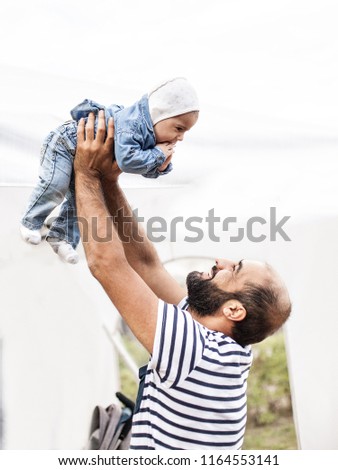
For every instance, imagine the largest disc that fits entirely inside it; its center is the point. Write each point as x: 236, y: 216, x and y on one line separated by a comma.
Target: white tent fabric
x: 266, y: 73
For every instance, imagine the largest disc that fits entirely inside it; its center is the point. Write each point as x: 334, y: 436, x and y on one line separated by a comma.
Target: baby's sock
x: 30, y: 236
x: 64, y: 250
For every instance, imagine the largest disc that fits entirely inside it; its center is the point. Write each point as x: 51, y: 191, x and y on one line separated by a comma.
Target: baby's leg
x: 54, y: 177
x: 64, y: 234
x: 65, y: 226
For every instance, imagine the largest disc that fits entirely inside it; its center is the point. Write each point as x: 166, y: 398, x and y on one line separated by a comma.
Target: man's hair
x: 267, y: 308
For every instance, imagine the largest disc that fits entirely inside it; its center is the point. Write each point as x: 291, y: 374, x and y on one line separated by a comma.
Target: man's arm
x: 105, y: 255
x: 139, y: 250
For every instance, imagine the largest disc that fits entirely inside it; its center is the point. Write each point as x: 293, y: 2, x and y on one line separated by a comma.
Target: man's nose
x: 222, y: 263
x: 180, y: 137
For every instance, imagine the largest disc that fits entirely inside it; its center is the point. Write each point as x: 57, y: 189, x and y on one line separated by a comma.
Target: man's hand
x: 94, y: 153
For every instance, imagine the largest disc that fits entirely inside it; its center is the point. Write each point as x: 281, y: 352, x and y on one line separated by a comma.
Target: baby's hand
x: 167, y: 148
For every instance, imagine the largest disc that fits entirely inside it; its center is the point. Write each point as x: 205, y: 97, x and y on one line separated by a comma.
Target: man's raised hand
x: 95, y: 153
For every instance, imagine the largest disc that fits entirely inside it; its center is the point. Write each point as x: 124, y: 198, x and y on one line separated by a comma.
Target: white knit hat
x: 172, y: 98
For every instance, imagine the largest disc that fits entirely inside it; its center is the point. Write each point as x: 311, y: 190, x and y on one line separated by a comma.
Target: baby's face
x: 173, y: 129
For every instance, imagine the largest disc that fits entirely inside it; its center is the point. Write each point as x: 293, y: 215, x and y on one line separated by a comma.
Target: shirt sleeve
x: 178, y: 346
x: 131, y: 158
x: 83, y: 109
x: 155, y: 173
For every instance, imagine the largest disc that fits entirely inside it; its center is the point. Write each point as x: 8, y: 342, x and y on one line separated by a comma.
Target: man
x: 194, y: 390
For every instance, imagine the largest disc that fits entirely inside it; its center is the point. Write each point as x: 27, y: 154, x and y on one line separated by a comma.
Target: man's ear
x: 234, y: 310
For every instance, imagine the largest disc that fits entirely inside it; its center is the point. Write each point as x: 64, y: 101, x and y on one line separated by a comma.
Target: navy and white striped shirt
x: 194, y: 394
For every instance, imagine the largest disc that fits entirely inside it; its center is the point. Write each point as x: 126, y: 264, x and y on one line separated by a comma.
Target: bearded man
x: 193, y: 390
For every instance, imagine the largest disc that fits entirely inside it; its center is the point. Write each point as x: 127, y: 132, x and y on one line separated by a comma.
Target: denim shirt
x: 134, y: 138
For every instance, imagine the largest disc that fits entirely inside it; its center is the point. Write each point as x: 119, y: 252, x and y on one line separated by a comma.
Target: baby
x: 144, y: 138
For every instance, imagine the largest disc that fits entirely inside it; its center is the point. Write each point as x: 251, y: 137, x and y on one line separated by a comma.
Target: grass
x: 270, y: 418
x: 278, y: 436
x: 128, y: 385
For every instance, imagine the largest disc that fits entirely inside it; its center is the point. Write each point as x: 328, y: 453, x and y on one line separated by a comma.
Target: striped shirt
x: 194, y: 394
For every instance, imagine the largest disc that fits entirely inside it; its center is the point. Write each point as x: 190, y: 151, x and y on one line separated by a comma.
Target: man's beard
x: 203, y: 296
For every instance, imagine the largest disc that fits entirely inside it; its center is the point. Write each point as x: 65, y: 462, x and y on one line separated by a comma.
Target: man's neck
x: 212, y: 322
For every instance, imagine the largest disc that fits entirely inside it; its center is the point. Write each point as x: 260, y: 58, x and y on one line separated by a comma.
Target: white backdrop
x: 266, y: 74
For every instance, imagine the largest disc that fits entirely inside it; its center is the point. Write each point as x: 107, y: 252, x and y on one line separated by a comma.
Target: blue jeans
x: 56, y: 185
